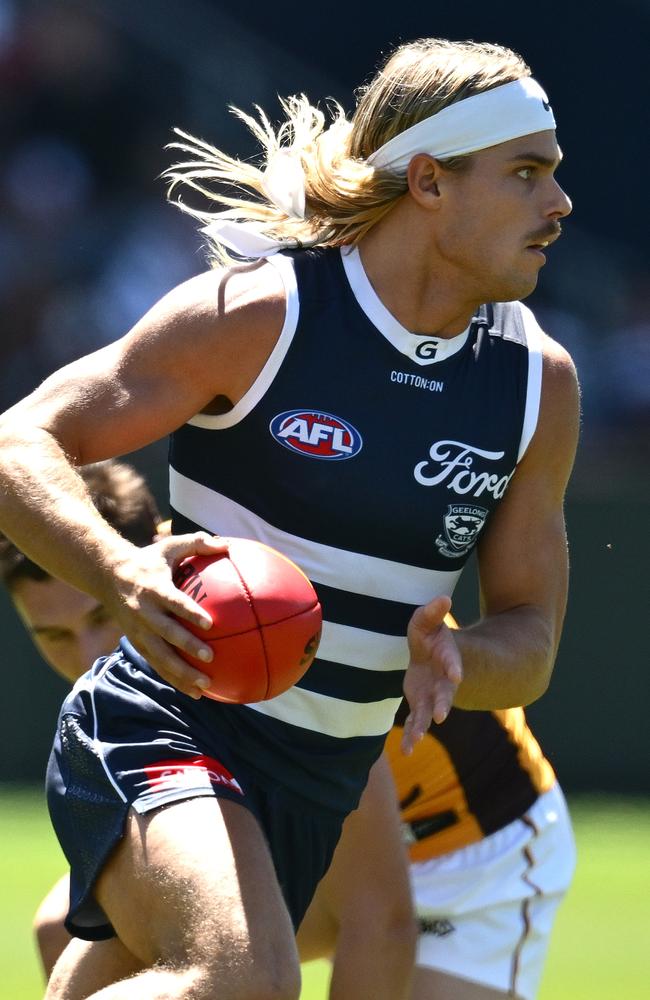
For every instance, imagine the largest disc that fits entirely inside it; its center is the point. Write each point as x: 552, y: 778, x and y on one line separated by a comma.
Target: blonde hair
x: 344, y: 196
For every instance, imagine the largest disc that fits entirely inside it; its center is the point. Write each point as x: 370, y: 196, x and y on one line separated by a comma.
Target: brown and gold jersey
x: 467, y: 778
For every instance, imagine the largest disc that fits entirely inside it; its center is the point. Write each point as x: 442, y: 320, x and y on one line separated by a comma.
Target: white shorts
x: 488, y: 908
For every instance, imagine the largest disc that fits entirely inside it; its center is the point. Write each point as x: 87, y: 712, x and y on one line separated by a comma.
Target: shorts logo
x: 189, y: 772
x: 439, y: 926
x: 318, y: 435
x: 462, y: 524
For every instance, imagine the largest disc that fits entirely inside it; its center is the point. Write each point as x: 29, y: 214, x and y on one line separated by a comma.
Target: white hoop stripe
x: 332, y: 567
x: 341, y: 719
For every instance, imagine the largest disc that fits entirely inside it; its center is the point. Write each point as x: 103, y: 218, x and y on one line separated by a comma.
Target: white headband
x: 506, y: 112
x: 487, y: 119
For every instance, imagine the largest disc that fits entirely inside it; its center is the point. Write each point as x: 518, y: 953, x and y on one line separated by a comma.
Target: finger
x: 160, y: 618
x: 178, y: 603
x: 424, y: 711
x: 409, y: 741
x: 172, y: 668
x: 178, y: 547
x: 452, y: 662
x: 176, y: 635
x: 430, y: 616
x: 208, y: 544
x: 443, y: 701
x: 415, y: 726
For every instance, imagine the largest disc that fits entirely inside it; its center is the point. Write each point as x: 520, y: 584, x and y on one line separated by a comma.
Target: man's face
x: 498, y: 215
x: 69, y: 628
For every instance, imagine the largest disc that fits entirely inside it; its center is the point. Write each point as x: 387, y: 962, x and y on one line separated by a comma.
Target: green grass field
x: 599, y: 950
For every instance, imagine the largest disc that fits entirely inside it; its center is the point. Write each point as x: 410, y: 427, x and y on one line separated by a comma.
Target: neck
x: 421, y: 290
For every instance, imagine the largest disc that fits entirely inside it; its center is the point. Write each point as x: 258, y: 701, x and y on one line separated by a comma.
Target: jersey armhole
x: 534, y: 335
x: 250, y: 399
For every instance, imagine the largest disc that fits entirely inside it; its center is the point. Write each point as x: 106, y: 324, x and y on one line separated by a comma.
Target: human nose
x: 561, y: 205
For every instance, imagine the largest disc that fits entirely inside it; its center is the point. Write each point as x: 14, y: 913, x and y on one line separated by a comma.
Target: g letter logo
x: 427, y: 349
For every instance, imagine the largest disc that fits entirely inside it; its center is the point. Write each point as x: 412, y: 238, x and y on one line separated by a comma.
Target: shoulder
x: 217, y: 328
x: 557, y: 364
x: 248, y: 293
x: 560, y: 378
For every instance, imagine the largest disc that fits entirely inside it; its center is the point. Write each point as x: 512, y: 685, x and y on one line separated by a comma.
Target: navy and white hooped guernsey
x: 373, y: 458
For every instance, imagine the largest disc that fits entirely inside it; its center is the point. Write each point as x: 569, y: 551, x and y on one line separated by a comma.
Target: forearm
x: 507, y: 659
x: 47, y: 512
x: 362, y: 914
x: 377, y: 962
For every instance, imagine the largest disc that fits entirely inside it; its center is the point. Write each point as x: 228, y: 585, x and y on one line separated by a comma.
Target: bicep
x: 103, y: 406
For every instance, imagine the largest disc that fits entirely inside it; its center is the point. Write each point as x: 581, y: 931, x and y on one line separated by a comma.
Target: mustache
x: 552, y: 232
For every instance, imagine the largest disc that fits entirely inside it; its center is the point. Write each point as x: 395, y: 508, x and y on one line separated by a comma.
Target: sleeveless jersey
x: 470, y: 776
x: 373, y: 458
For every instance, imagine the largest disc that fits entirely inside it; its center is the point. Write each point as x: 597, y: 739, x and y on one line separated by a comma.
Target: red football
x: 266, y: 620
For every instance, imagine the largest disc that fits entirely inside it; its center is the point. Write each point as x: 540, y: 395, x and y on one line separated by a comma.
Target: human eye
x: 526, y: 173
x: 53, y: 635
x: 100, y: 615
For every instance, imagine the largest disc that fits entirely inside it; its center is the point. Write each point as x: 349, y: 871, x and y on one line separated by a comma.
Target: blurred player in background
x: 430, y: 389
x: 71, y: 630
x: 492, y: 855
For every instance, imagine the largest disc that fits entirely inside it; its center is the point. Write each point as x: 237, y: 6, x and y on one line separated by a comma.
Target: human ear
x: 423, y: 175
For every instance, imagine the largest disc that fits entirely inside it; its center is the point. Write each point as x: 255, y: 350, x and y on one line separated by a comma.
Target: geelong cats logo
x: 316, y: 434
x: 462, y: 524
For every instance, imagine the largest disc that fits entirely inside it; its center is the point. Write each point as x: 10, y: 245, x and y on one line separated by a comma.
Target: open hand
x: 434, y: 672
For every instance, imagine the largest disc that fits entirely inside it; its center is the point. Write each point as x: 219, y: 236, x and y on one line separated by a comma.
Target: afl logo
x: 319, y: 435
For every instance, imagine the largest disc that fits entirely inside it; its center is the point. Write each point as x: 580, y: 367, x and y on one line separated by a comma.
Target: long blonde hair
x: 344, y: 196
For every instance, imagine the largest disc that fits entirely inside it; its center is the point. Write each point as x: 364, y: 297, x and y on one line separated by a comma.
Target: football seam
x: 260, y: 627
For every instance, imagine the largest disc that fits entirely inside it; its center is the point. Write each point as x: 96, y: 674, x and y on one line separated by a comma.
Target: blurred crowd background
x: 89, y: 93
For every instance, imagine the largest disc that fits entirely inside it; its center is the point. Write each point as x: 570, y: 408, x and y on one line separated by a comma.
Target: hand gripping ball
x: 266, y: 620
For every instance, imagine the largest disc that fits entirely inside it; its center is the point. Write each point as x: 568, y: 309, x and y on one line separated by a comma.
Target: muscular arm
x: 208, y: 337
x: 508, y: 655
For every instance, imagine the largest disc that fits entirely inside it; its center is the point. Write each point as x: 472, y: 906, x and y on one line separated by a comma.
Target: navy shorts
x: 126, y: 739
